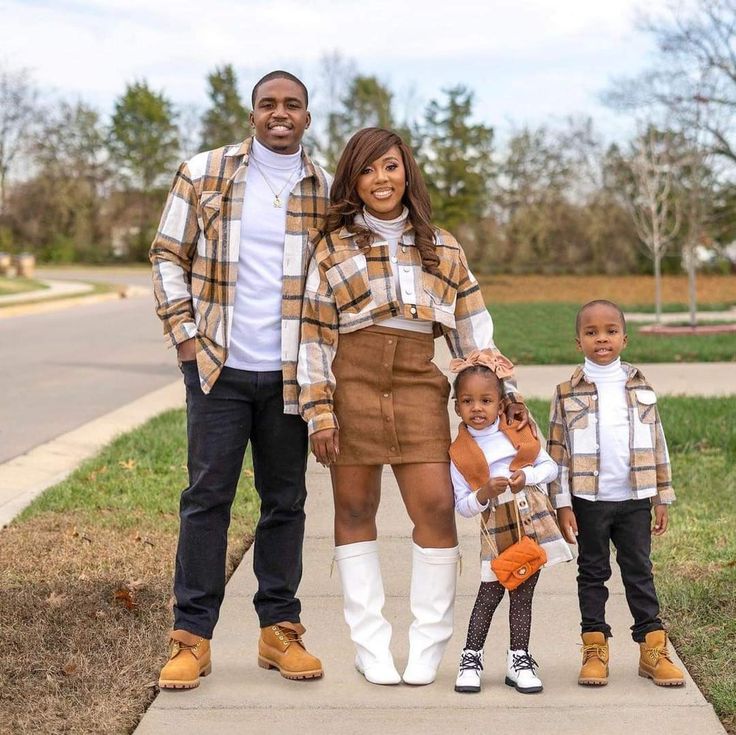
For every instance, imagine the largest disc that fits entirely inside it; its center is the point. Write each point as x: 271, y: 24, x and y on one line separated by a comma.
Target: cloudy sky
x: 528, y: 61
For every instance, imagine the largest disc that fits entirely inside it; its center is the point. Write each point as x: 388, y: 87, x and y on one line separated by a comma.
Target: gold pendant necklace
x: 276, y: 195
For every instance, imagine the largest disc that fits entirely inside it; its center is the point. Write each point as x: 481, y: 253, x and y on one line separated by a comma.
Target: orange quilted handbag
x: 514, y: 565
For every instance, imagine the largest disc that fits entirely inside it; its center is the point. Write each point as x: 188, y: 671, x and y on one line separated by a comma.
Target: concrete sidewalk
x: 239, y: 697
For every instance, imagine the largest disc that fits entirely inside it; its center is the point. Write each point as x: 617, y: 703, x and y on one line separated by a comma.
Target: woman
x: 381, y: 284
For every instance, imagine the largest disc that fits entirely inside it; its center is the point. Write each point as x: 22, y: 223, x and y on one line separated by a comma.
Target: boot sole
x: 662, y: 682
x: 529, y: 690
x: 593, y: 682
x: 176, y: 684
x: 264, y: 663
x: 467, y: 689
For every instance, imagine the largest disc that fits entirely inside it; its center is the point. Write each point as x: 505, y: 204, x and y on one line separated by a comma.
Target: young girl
x: 478, y: 401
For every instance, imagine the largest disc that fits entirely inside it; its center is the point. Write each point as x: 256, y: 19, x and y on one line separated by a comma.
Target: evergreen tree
x: 226, y: 120
x: 457, y: 162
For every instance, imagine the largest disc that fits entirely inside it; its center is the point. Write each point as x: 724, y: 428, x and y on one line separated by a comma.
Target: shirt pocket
x: 210, y: 205
x: 577, y: 411
x: 350, y: 284
x: 441, y: 290
x: 646, y: 404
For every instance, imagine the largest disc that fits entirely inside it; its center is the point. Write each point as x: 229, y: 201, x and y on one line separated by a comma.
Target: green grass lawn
x: 695, y: 561
x: 9, y: 286
x: 544, y: 334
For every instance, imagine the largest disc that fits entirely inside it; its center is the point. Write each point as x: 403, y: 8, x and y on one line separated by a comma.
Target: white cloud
x: 544, y: 55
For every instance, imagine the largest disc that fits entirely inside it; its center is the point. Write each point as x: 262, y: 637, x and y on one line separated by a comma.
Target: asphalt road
x: 63, y: 369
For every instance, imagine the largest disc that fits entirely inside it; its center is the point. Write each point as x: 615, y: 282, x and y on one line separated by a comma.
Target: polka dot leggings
x: 490, y: 595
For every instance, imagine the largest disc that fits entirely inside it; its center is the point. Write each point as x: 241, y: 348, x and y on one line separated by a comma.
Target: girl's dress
x: 501, y: 458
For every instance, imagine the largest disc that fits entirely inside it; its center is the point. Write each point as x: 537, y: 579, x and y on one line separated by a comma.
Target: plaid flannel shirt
x: 574, y: 439
x: 349, y: 288
x: 196, y: 250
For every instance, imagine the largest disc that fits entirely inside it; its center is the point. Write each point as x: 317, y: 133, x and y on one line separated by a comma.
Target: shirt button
x: 406, y: 269
x: 390, y: 341
x: 393, y: 449
x: 407, y: 291
x: 595, y: 473
x: 403, y: 248
x: 385, y: 364
x: 413, y: 310
x: 388, y: 418
x: 386, y: 395
x: 394, y: 259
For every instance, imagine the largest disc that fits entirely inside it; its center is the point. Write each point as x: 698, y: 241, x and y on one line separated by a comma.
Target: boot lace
x: 655, y: 654
x: 471, y: 661
x: 524, y: 661
x: 594, y: 650
x: 291, y: 635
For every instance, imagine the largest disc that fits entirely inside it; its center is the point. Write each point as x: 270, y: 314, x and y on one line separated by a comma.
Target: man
x: 229, y: 263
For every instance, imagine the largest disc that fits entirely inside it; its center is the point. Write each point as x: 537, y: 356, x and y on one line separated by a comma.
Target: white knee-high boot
x: 363, y: 600
x: 433, y: 585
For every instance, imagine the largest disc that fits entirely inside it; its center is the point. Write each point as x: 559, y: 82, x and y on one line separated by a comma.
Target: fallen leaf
x: 56, y: 599
x: 69, y: 669
x: 135, y: 585
x: 128, y: 464
x: 126, y: 598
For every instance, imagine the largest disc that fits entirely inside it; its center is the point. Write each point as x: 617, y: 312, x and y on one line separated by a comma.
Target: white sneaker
x: 468, y: 676
x: 521, y: 672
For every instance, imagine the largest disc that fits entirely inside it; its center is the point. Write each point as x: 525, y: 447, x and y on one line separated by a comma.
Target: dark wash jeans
x: 242, y: 406
x: 626, y: 523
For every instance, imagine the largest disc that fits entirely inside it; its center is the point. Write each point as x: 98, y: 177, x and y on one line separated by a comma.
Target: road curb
x: 25, y: 477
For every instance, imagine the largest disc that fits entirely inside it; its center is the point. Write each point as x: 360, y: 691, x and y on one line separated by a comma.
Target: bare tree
x: 18, y: 108
x: 694, y: 80
x: 653, y: 201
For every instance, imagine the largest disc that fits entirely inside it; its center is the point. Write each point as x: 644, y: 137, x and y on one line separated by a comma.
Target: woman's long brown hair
x: 361, y: 150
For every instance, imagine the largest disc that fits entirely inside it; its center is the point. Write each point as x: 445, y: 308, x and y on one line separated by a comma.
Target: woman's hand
x: 520, y: 412
x: 325, y: 446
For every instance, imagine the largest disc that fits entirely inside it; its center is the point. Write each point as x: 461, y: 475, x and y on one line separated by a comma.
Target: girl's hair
x: 361, y: 150
x: 486, y: 372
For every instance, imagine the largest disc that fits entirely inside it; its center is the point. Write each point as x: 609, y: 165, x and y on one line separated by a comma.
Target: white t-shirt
x: 255, y: 337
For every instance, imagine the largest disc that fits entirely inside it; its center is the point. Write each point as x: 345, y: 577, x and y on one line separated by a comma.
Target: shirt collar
x: 243, y: 149
x: 631, y: 373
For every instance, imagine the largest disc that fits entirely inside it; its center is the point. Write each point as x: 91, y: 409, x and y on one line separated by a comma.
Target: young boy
x: 607, y: 439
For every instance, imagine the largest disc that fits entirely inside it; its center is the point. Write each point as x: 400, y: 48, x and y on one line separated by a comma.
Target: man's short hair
x: 279, y: 74
x: 599, y: 302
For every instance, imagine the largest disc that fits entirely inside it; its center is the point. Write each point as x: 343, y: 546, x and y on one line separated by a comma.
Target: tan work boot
x: 655, y: 662
x: 280, y: 647
x: 594, y: 671
x: 189, y: 658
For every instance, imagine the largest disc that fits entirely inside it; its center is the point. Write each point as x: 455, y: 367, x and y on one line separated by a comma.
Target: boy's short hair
x: 279, y: 74
x: 599, y: 302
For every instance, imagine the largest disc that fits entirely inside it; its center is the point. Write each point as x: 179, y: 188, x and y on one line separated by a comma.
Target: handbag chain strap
x: 487, y: 534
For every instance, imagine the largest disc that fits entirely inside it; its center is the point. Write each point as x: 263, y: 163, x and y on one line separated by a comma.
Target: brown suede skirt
x: 390, y: 398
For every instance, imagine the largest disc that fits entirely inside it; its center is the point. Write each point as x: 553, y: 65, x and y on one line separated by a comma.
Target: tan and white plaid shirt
x: 349, y: 288
x: 196, y: 250
x: 574, y: 439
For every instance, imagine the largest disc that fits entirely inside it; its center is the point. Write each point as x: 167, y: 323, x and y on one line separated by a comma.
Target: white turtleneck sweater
x: 255, y: 336
x: 614, y: 481
x: 391, y: 230
x: 499, y: 452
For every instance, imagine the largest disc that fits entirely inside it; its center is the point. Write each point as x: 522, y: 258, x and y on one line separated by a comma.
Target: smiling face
x: 478, y: 400
x: 381, y: 185
x: 280, y: 115
x: 601, y: 335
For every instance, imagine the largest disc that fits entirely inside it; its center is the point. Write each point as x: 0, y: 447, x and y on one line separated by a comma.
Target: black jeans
x: 242, y: 406
x: 627, y: 524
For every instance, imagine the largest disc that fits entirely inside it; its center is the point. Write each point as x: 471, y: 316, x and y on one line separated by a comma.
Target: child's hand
x: 492, y: 489
x: 568, y: 524
x: 517, y: 481
x: 661, y: 520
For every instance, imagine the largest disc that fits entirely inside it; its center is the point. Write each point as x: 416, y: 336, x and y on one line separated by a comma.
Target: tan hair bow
x: 492, y: 359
